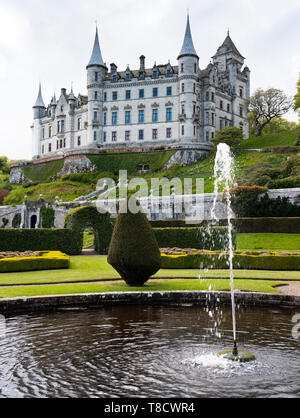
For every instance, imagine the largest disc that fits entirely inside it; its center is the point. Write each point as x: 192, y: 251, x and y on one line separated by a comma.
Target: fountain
x: 224, y: 175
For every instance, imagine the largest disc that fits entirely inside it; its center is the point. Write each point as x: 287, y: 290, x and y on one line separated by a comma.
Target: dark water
x: 148, y: 352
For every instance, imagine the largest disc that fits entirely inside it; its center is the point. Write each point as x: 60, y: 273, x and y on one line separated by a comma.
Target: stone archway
x: 88, y: 217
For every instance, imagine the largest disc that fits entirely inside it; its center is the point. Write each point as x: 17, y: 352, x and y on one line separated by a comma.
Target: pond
x: 148, y: 352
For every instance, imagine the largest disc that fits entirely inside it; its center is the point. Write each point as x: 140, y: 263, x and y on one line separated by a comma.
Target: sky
x: 51, y: 42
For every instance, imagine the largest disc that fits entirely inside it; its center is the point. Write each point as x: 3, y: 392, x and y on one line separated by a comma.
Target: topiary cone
x: 133, y: 251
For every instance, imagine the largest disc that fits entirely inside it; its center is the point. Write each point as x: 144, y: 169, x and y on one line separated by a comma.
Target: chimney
x: 142, y: 63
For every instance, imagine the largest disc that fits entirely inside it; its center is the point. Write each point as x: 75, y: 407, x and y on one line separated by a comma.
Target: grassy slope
x: 44, y: 171
x: 283, y: 139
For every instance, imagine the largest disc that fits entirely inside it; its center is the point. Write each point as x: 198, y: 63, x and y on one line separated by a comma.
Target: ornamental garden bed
x: 29, y: 261
x: 218, y: 260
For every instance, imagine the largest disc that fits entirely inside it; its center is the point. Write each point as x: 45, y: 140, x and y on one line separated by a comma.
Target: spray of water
x: 224, y: 177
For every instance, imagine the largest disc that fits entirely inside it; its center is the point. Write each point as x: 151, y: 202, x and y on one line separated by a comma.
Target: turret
x: 53, y: 105
x: 71, y: 102
x: 38, y: 113
x: 188, y: 64
x: 96, y: 71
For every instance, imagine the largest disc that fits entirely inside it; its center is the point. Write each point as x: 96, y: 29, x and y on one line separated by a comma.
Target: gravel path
x: 290, y: 289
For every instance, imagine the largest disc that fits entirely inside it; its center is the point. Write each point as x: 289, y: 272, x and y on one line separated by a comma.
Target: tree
x: 4, y: 166
x: 267, y: 105
x: 276, y: 125
x: 230, y: 135
x: 297, y: 97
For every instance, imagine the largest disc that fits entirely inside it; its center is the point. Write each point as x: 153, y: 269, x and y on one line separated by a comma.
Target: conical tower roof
x: 39, y: 101
x: 228, y: 46
x: 96, y: 58
x: 188, y: 45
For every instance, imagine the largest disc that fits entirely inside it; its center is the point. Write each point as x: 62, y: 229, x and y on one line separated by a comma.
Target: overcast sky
x: 51, y: 42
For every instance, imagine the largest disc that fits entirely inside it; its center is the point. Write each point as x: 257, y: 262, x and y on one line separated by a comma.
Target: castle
x: 162, y: 106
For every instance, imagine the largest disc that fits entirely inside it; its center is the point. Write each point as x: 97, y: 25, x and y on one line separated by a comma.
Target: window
x: 194, y: 88
x: 128, y: 94
x: 182, y: 130
x: 169, y: 91
x: 155, y: 115
x: 95, y: 135
x: 114, y: 118
x: 105, y: 97
x: 182, y: 68
x: 207, y: 118
x: 79, y: 141
x: 95, y: 116
x: 169, y: 72
x: 104, y: 136
x: 115, y: 95
x: 62, y: 126
x: 141, y: 134
x: 57, y: 144
x: 49, y: 148
x: 114, y: 136
x: 141, y: 93
x: 127, y: 117
x: 213, y: 119
x: 182, y: 109
x: 61, y: 108
x: 43, y: 149
x: 96, y: 95
x: 141, y: 116
x: 182, y: 88
x: 155, y: 74
x: 207, y: 96
x: 115, y: 78
x: 212, y: 96
x: 155, y: 92
x: 228, y: 107
x: 169, y: 114
x: 195, y: 130
x: 241, y: 92
x: 96, y: 76
x: 60, y: 143
x: 195, y: 68
x: 169, y: 133
x: 221, y: 124
x: 128, y: 76
x: 79, y: 124
x: 65, y: 143
x: 207, y: 136
x: 50, y: 131
x: 104, y: 118
x: 194, y: 109
x: 154, y: 133
x: 127, y: 135
x: 221, y: 104
x: 241, y: 111
x: 212, y: 134
x: 43, y: 133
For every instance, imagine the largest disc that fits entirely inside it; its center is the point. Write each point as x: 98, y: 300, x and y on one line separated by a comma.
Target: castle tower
x: 96, y: 71
x: 38, y: 113
x: 188, y: 67
x: 53, y: 106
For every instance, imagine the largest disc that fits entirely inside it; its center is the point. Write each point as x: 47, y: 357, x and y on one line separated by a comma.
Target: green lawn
x: 91, y: 269
x: 153, y: 286
x: 269, y: 242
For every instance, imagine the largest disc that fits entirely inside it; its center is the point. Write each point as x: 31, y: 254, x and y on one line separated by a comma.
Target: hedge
x: 64, y: 240
x: 267, y: 225
x: 198, y: 238
x: 46, y: 261
x: 245, y: 225
x: 219, y: 261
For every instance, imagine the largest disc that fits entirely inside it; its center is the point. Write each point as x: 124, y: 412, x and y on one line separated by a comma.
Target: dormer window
x: 128, y: 77
x: 115, y: 78
x: 155, y: 74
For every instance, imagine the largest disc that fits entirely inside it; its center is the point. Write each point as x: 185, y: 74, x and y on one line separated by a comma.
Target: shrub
x: 133, y: 250
x: 267, y: 225
x: 219, y: 261
x: 244, y: 198
x: 88, y: 217
x: 287, y: 183
x: 292, y: 166
x: 46, y: 261
x: 16, y: 222
x: 3, y: 194
x: 230, y: 135
x: 260, y: 174
x: 198, y: 238
x: 64, y: 240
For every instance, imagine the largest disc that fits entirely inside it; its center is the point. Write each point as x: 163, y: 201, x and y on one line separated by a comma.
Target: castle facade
x: 164, y: 105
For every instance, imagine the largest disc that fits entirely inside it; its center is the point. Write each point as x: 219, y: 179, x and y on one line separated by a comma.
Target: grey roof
x: 54, y: 101
x: 188, y: 45
x: 71, y: 95
x: 228, y: 46
x: 39, y: 101
x: 96, y: 58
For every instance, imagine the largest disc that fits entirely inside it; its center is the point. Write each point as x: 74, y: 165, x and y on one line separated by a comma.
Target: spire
x: 71, y: 96
x: 96, y: 58
x: 39, y: 101
x: 188, y: 46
